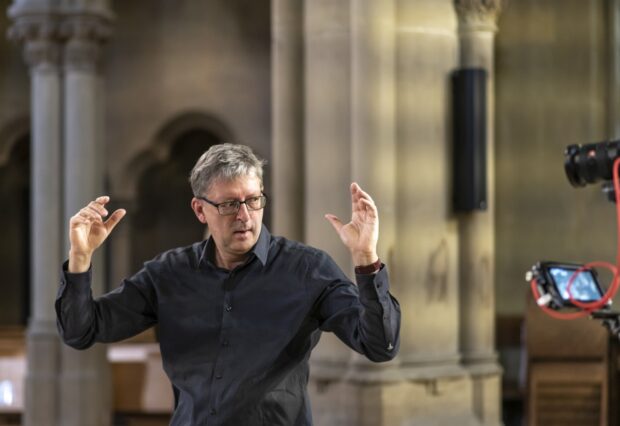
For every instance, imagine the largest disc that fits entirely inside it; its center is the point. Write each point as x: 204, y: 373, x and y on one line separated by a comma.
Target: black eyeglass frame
x: 237, y: 204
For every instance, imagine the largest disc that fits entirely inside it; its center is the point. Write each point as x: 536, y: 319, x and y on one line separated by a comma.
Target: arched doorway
x: 15, y: 242
x: 163, y: 218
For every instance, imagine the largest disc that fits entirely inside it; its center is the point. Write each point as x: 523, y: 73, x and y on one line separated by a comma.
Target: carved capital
x: 478, y: 15
x: 40, y: 35
x: 34, y: 27
x: 84, y: 34
x: 82, y: 54
x: 44, y: 53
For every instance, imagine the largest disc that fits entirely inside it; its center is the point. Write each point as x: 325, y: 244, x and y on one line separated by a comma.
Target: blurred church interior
x: 121, y: 97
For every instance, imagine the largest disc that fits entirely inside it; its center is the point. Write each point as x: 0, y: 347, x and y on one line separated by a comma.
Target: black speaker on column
x: 469, y: 100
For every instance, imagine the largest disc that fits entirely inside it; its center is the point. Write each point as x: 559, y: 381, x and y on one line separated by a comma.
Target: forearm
x: 75, y: 309
x: 366, y: 317
x: 114, y: 316
x: 379, y: 323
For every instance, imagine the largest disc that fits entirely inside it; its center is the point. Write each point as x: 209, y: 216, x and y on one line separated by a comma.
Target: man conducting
x: 239, y: 313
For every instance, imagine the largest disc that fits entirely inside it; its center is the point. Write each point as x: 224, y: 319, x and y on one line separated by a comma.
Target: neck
x: 229, y: 262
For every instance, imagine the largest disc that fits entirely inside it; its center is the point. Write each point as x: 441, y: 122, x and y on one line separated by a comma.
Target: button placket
x: 219, y: 364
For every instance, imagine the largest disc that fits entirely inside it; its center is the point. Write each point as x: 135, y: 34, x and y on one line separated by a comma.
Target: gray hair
x: 224, y: 162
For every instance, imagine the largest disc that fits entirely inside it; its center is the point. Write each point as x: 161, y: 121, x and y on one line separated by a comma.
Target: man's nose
x: 243, y: 214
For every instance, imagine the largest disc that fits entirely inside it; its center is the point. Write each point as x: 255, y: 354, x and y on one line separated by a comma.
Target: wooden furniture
x: 142, y: 394
x: 571, y: 371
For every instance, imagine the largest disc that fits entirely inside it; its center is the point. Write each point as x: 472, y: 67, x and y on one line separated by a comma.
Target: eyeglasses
x: 228, y: 208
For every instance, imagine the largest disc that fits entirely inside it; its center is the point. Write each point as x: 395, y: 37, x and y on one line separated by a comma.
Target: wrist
x: 78, y: 262
x: 364, y: 258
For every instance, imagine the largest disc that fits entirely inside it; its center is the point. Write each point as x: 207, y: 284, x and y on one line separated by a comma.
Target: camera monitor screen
x: 585, y: 287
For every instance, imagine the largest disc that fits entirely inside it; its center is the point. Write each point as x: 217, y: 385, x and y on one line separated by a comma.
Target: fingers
x: 357, y: 193
x: 91, y: 214
x: 369, y: 207
x: 361, y: 200
x: 94, y: 212
x: 86, y: 216
x: 336, y: 223
x: 114, y: 219
x: 97, y: 206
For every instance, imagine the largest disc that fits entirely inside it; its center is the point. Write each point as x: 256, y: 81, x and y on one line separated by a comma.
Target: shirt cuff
x: 75, y: 282
x: 373, y: 286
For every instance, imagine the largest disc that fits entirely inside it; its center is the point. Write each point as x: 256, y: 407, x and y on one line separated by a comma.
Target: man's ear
x: 199, y: 211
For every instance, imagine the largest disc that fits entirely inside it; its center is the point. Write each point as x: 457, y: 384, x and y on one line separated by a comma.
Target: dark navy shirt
x: 235, y: 344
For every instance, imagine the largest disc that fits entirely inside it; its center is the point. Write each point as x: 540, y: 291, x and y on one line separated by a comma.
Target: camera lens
x: 590, y: 163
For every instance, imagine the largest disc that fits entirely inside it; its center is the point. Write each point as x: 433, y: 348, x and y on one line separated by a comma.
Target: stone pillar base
x: 86, y: 388
x: 444, y: 401
x: 43, y: 347
x: 487, y: 398
x: 486, y: 376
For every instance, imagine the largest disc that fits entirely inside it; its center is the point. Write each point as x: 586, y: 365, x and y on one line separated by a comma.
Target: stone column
x: 85, y: 374
x: 373, y: 145
x: 373, y: 166
x: 328, y: 174
x: 288, y: 95
x: 425, y: 258
x: 373, y: 150
x: 39, y: 33
x: 434, y: 387
x: 477, y: 27
x: 327, y: 133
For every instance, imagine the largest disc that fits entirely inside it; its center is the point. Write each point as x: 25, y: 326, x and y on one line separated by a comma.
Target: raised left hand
x: 361, y: 234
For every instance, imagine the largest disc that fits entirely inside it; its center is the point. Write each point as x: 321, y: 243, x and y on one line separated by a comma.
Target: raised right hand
x: 87, y: 231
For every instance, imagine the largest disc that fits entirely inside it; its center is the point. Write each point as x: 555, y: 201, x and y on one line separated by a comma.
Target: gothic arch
x: 157, y: 190
x: 160, y: 150
x: 10, y: 134
x: 15, y: 165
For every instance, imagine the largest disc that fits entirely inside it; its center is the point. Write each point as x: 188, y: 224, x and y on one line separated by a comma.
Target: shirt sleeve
x: 117, y: 315
x: 364, y: 316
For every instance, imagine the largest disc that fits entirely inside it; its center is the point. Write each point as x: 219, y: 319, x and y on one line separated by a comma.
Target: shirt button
x: 228, y: 308
x: 212, y: 412
x: 218, y: 376
x: 225, y: 343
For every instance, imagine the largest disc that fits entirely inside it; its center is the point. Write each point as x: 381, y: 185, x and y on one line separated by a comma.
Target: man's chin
x: 243, y: 243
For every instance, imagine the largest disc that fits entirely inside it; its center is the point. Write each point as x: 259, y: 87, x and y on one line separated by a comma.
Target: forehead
x: 237, y: 187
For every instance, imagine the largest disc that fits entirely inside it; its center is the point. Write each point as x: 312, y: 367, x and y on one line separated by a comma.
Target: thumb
x: 336, y: 223
x: 114, y: 219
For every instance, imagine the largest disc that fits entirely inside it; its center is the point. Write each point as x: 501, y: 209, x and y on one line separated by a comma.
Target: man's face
x: 234, y: 235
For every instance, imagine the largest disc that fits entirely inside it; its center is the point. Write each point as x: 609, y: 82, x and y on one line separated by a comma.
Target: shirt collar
x: 260, y: 249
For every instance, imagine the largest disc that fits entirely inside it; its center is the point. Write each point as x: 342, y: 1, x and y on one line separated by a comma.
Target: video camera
x: 591, y: 163
x: 562, y: 287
